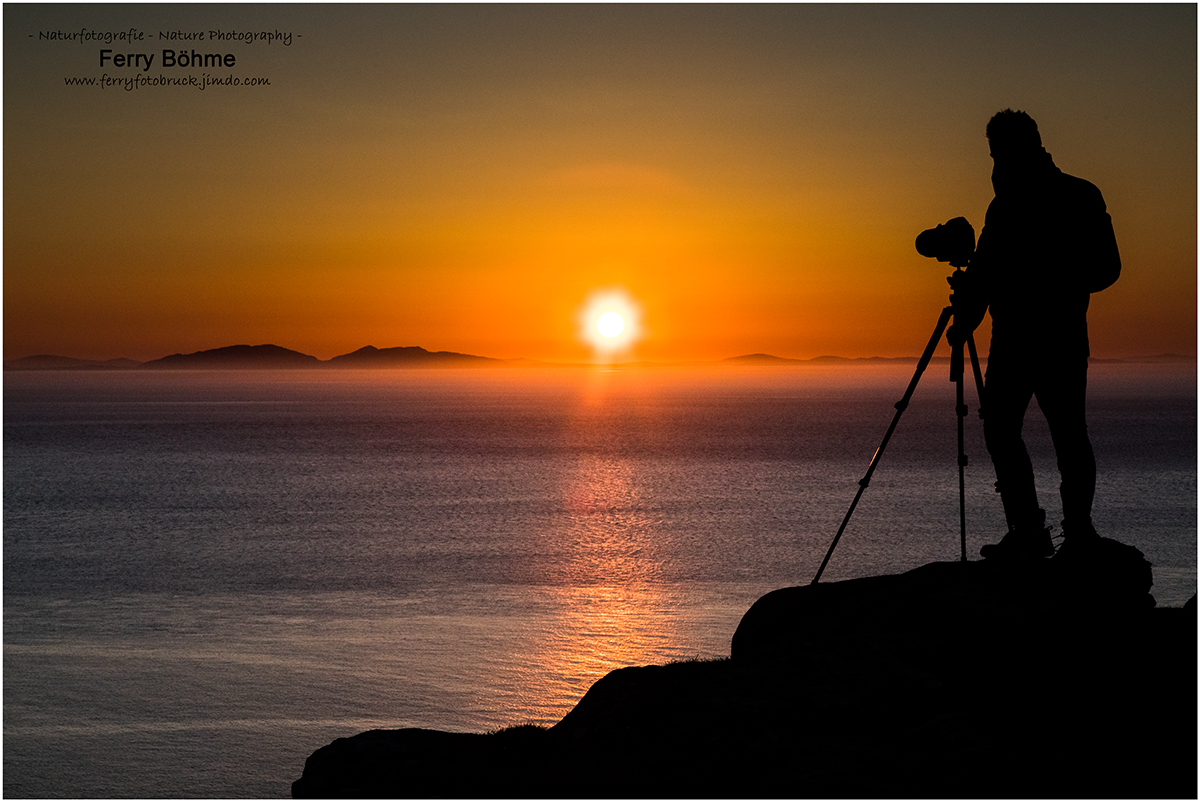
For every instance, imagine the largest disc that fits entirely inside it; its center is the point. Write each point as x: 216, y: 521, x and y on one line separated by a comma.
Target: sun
x: 609, y: 322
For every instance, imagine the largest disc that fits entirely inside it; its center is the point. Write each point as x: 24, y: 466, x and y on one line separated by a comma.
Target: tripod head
x: 958, y: 281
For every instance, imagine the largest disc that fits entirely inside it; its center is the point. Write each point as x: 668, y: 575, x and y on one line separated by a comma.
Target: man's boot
x: 1027, y: 541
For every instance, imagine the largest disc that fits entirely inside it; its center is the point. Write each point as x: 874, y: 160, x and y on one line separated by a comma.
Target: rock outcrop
x: 964, y: 680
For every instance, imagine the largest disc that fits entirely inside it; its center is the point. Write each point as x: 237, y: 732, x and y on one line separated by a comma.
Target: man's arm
x: 1097, y: 255
x: 1104, y: 259
x: 970, y: 304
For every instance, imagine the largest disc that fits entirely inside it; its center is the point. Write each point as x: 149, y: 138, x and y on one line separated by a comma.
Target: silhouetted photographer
x: 1047, y: 244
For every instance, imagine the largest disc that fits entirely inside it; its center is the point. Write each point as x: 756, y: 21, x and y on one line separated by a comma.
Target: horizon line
x: 758, y: 359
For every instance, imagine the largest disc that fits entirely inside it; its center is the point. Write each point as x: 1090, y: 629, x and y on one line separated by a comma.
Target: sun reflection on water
x: 611, y: 612
x: 610, y: 534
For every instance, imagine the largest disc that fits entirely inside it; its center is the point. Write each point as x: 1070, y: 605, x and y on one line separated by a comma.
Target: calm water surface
x: 209, y: 575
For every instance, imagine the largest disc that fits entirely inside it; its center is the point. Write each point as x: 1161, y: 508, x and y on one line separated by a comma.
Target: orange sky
x: 465, y: 178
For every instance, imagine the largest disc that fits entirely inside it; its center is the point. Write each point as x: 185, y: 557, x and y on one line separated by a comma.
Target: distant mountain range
x: 767, y: 359
x: 409, y: 356
x: 274, y: 357
x: 269, y: 357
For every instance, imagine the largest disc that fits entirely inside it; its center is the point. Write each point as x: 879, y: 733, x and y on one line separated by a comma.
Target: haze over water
x: 210, y: 575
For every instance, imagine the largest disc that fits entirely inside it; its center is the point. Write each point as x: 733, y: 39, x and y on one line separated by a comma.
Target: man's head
x: 1013, y: 133
x: 1016, y: 149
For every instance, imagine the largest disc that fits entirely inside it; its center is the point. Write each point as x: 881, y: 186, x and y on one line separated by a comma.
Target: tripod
x: 956, y: 376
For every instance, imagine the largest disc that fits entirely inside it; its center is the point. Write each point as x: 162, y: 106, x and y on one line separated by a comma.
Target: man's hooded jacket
x: 1046, y: 245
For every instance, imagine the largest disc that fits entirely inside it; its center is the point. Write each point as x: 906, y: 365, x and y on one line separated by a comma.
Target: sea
x: 210, y: 575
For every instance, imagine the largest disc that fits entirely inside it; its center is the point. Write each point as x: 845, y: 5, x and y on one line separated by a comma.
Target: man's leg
x: 1062, y: 397
x: 1009, y: 389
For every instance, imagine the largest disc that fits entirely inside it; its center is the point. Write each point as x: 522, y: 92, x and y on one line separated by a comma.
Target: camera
x: 952, y: 241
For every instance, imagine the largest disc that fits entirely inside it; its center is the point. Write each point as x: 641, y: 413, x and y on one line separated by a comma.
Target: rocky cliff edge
x: 965, y: 680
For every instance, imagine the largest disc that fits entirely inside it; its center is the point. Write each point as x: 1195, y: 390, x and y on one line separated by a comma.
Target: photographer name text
x: 169, y: 59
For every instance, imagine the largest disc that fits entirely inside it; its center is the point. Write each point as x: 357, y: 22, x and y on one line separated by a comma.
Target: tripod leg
x: 961, y: 409
x: 901, y: 405
x: 979, y: 389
